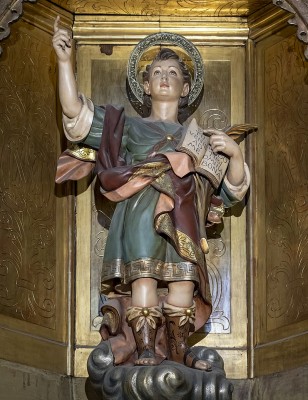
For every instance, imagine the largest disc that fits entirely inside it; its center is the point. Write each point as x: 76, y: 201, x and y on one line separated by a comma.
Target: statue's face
x: 166, y: 81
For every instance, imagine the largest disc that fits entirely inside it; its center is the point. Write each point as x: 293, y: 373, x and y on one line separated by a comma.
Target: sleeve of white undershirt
x: 232, y: 194
x: 76, y: 129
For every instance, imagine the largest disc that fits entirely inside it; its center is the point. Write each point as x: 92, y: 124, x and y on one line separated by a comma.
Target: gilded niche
x: 286, y: 121
x: 27, y: 164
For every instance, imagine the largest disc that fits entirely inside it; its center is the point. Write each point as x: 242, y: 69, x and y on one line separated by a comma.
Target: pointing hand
x: 61, y: 42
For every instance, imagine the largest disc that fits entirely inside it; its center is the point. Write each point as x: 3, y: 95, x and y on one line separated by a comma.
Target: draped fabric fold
x: 177, y: 216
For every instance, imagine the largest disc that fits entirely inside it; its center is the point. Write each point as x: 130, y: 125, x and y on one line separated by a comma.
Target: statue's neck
x: 164, y: 111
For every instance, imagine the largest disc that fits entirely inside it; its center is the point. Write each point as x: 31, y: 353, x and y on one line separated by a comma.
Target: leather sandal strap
x: 190, y: 358
x: 147, y: 353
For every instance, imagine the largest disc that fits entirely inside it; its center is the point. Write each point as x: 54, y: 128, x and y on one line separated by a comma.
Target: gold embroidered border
x: 113, y: 269
x: 150, y: 268
x: 185, y: 246
x: 160, y: 270
x: 164, y: 184
x: 82, y: 153
x: 151, y: 169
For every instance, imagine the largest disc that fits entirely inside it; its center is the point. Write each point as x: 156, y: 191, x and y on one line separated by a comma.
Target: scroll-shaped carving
x: 10, y: 11
x: 186, y: 8
x: 300, y: 10
x: 29, y: 267
x: 286, y: 221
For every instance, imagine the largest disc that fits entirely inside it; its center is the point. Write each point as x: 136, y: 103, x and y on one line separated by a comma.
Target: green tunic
x: 133, y: 248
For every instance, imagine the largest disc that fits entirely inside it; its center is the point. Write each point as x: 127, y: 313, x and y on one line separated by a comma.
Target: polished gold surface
x: 82, y: 153
x: 279, y: 247
x: 114, y: 29
x: 165, y: 7
x: 266, y: 22
x: 34, y: 224
x: 33, y: 350
x: 28, y: 224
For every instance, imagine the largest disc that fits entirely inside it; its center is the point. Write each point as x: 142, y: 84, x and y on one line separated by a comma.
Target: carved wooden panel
x: 158, y: 7
x: 279, y: 203
x: 214, y: 111
x: 286, y: 183
x: 28, y: 148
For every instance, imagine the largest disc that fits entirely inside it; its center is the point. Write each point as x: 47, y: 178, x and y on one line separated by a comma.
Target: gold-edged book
x: 197, y: 144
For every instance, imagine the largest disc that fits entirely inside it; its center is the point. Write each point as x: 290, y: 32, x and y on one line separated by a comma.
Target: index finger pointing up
x: 55, y: 25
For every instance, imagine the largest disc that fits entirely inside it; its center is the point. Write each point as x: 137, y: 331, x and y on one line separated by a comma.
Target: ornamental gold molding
x: 128, y: 21
x: 299, y: 9
x: 94, y: 29
x: 43, y: 15
x: 266, y: 22
x: 10, y: 11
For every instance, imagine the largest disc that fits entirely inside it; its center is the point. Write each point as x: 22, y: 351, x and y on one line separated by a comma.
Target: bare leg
x: 181, y: 295
x: 144, y: 292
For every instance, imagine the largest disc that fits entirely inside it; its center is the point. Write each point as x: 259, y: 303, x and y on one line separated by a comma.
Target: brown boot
x: 144, y: 322
x: 178, y: 323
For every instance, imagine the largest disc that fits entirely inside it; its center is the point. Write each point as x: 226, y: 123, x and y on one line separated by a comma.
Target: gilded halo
x: 135, y: 89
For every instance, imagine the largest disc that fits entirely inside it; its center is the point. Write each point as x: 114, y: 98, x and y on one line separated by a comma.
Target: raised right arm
x: 70, y: 102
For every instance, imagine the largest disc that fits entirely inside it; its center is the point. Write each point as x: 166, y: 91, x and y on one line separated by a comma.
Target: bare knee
x: 144, y: 292
x: 181, y: 293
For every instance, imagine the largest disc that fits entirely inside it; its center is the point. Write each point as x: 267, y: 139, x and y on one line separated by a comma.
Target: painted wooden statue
x: 157, y: 239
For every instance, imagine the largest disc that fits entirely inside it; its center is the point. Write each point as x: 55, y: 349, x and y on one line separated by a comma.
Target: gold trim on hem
x: 150, y: 268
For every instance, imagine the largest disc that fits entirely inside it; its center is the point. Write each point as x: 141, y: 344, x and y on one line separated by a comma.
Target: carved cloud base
x: 168, y: 380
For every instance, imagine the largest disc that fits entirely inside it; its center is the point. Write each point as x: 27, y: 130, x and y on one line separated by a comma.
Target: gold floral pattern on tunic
x: 185, y: 246
x: 164, y: 185
x: 152, y: 169
x: 82, y: 153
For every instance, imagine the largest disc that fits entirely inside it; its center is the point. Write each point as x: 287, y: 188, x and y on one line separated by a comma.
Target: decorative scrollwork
x: 286, y: 159
x: 300, y: 10
x: 214, y: 118
x: 29, y: 271
x: 219, y: 321
x: 10, y: 11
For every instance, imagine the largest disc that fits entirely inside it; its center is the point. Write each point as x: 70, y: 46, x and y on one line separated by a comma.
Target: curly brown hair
x: 162, y: 55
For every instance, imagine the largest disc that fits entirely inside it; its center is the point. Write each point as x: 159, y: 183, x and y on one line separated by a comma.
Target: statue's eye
x: 173, y: 72
x: 156, y: 72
